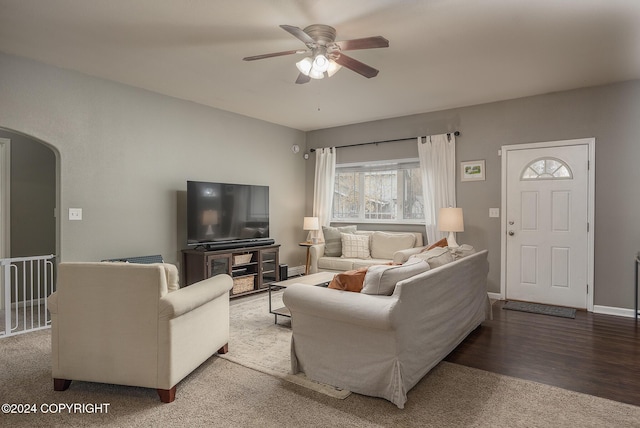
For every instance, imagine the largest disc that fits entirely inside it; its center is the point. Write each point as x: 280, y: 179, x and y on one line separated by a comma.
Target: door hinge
x: 587, y: 226
x: 587, y: 288
x: 588, y: 165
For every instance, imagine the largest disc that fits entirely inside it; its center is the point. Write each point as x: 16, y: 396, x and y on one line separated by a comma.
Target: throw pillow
x: 351, y: 280
x: 333, y: 241
x: 382, y: 279
x: 436, y: 257
x: 440, y: 243
x: 355, y: 246
x: 384, y: 245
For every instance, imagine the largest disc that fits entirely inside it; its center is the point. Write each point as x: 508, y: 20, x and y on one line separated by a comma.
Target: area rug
x: 536, y: 308
x: 258, y: 343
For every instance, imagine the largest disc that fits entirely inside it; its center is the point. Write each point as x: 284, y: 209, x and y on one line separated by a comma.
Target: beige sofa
x: 118, y: 323
x: 384, y: 247
x: 383, y: 344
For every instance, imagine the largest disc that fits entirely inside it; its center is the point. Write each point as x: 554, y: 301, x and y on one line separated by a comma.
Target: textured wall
x: 608, y: 113
x: 126, y: 154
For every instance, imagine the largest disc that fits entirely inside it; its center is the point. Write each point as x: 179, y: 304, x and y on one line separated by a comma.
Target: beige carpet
x: 258, y: 343
x: 225, y: 394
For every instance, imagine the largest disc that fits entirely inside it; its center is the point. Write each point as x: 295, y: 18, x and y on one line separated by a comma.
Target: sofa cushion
x: 382, y: 280
x: 171, y: 271
x: 384, y: 245
x: 336, y: 263
x: 360, y: 263
x: 436, y: 257
x: 356, y: 246
x: 172, y: 276
x: 351, y: 280
x: 463, y: 250
x: 333, y: 240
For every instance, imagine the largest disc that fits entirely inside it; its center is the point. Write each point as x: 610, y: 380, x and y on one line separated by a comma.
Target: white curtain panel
x: 323, y: 187
x: 437, y: 155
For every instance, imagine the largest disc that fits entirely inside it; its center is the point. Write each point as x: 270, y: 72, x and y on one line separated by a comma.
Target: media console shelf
x: 252, y: 268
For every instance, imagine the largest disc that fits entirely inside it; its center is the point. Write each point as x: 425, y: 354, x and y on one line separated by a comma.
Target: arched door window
x: 547, y: 169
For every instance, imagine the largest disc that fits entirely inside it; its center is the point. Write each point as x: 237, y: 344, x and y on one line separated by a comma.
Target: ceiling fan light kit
x: 326, y: 54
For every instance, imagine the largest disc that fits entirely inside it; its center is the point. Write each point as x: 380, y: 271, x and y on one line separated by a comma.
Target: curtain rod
x: 456, y: 133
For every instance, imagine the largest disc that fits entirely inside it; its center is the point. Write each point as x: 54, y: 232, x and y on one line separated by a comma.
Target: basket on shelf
x: 239, y: 259
x: 241, y: 285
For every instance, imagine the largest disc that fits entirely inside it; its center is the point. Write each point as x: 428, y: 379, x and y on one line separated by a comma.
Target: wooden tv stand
x: 252, y: 268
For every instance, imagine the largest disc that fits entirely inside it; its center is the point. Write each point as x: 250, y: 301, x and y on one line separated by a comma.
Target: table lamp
x: 451, y: 220
x: 312, y: 225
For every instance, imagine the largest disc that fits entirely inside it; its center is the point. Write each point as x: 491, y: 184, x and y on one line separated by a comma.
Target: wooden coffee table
x: 321, y: 279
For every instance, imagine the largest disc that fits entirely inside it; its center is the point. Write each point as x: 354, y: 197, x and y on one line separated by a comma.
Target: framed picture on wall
x: 472, y: 170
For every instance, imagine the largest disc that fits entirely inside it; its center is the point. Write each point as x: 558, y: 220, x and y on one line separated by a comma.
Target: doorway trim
x: 5, y: 212
x: 591, y: 172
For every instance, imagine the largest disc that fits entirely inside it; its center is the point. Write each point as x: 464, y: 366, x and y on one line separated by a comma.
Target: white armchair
x: 118, y: 323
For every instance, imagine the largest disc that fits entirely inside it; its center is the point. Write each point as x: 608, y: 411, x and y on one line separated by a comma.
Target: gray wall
x: 125, y: 156
x: 609, y: 113
x: 33, y: 197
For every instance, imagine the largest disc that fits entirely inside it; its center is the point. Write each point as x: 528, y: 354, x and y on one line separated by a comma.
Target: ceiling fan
x: 326, y: 54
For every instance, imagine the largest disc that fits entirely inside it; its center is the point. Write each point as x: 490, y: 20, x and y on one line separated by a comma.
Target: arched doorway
x: 29, y: 226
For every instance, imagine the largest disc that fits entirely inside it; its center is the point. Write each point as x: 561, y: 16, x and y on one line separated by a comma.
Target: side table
x: 308, y: 245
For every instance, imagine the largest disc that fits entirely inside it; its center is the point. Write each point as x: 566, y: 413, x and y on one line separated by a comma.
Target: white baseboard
x: 495, y: 296
x: 597, y: 309
x: 296, y: 270
x: 610, y: 310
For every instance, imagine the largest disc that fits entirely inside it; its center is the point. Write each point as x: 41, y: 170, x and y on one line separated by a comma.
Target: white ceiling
x: 442, y: 54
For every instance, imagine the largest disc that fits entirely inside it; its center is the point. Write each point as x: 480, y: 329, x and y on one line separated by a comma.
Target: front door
x: 547, y: 248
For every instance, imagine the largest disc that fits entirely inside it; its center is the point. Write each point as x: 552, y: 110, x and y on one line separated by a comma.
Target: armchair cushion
x: 172, y: 276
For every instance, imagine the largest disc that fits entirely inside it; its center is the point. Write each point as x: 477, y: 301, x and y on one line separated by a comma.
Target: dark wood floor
x: 593, y: 354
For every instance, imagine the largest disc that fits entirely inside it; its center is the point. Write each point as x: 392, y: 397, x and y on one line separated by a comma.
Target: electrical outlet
x: 75, y: 213
x: 494, y: 212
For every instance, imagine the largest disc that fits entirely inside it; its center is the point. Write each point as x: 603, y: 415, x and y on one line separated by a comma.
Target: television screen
x: 222, y: 212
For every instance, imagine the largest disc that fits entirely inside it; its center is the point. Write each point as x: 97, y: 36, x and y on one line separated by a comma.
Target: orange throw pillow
x: 440, y: 243
x: 351, y: 280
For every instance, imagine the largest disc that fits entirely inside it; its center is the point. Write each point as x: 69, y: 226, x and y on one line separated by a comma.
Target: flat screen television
x: 223, y: 215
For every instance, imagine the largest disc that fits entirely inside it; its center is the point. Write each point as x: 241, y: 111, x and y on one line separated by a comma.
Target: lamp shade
x: 450, y: 220
x: 311, y: 223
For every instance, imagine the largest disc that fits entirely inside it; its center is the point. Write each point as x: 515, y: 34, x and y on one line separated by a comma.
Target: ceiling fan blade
x: 357, y: 66
x: 302, y: 78
x: 365, y: 43
x: 271, y: 55
x: 299, y: 34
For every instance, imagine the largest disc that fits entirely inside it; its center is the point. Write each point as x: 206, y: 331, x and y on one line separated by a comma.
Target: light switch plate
x: 494, y: 212
x: 75, y: 213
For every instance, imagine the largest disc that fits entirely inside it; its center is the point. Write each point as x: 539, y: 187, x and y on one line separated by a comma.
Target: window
x: 388, y: 192
x: 546, y: 169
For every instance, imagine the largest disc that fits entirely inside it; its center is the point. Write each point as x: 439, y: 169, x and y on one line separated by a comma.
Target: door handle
x: 511, y: 233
